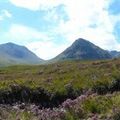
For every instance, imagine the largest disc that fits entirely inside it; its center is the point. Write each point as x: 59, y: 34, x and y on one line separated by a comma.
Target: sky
x: 48, y: 27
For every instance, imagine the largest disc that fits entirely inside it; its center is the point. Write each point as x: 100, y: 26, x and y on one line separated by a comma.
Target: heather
x: 68, y: 90
x: 89, y: 106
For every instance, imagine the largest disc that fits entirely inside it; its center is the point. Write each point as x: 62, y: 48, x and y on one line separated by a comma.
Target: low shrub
x: 100, y: 87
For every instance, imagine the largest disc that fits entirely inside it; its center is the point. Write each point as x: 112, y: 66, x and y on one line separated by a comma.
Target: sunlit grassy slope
x: 80, y: 90
x: 57, y: 76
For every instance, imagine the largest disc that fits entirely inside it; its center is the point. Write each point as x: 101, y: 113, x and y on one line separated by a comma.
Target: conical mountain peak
x: 83, y: 50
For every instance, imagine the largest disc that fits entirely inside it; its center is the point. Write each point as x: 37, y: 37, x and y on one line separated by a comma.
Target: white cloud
x: 37, y: 41
x: 89, y: 19
x: 46, y: 49
x: 36, y: 4
x: 5, y: 14
x: 21, y: 32
x: 51, y: 15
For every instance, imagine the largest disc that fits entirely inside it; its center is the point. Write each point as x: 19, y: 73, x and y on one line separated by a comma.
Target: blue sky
x: 47, y: 27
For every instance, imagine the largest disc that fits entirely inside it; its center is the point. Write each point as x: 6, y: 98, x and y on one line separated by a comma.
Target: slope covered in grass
x: 11, y: 54
x: 58, y: 76
x: 73, y: 89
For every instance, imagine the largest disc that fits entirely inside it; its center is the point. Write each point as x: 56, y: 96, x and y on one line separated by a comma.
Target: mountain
x: 11, y: 53
x: 115, y: 54
x: 82, y: 49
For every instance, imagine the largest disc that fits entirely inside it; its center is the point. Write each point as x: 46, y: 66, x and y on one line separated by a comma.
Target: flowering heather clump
x: 71, y: 103
x: 54, y: 114
x: 33, y: 111
x: 87, y: 106
x: 68, y: 103
x: 74, y: 108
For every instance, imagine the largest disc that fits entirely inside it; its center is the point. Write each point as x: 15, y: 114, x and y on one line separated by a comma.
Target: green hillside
x: 11, y: 54
x: 82, y: 90
x: 54, y: 77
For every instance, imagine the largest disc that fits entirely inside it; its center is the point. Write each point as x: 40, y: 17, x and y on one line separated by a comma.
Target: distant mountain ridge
x: 82, y: 49
x: 11, y: 53
x: 115, y: 54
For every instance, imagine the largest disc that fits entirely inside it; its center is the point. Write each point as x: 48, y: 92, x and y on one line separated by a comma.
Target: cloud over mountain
x: 60, y: 22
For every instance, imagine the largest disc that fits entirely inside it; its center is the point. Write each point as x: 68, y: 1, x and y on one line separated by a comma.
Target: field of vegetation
x: 69, y: 90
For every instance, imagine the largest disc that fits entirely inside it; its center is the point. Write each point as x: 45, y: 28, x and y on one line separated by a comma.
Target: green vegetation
x: 54, y: 84
x: 96, y: 107
x: 58, y: 76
